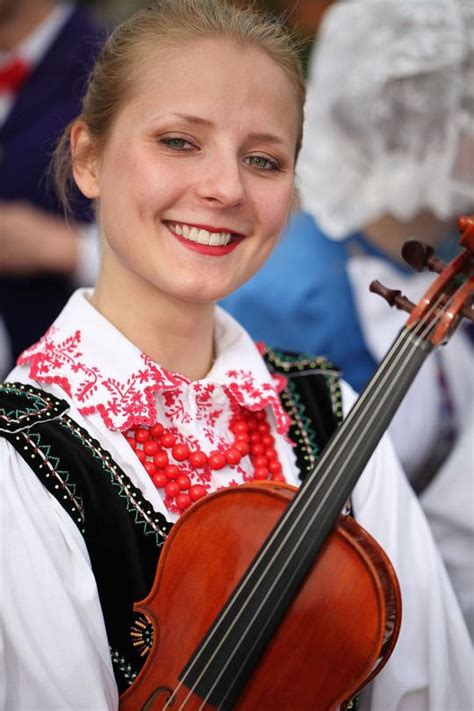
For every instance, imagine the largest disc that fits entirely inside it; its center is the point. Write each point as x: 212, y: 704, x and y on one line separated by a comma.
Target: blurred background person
x: 388, y: 156
x: 46, y: 49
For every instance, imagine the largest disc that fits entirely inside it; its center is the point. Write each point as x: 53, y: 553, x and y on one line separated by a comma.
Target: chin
x: 205, y: 294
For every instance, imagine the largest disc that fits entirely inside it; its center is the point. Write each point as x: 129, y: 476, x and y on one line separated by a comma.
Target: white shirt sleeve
x: 430, y: 668
x: 55, y: 652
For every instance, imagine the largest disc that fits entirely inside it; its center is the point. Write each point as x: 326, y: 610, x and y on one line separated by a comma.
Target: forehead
x: 225, y: 82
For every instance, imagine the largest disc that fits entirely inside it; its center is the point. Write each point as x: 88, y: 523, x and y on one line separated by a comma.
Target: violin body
x: 335, y: 636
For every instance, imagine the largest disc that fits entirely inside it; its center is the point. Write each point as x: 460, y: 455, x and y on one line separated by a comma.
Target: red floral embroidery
x: 126, y: 403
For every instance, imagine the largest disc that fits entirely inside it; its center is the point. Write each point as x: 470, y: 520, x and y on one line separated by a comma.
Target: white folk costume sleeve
x: 430, y: 668
x: 55, y: 653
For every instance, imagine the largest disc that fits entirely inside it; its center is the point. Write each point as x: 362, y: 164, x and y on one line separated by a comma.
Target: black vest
x: 122, y: 532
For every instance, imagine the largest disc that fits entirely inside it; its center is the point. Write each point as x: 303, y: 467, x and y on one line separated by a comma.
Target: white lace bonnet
x: 389, y: 122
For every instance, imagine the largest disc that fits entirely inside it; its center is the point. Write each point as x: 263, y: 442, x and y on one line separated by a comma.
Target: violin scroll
x: 466, y: 228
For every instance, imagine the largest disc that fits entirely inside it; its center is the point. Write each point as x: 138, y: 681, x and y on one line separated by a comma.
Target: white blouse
x: 55, y: 650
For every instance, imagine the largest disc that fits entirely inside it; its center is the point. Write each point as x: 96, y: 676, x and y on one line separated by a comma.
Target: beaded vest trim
x: 312, y: 399
x: 66, y: 458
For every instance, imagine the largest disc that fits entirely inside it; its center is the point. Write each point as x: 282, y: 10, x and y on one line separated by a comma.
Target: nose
x: 221, y: 182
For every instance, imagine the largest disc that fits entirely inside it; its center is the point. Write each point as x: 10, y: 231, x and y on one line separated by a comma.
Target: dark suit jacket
x: 45, y: 104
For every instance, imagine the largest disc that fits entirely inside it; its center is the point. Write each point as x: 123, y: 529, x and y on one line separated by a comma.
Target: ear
x: 85, y: 163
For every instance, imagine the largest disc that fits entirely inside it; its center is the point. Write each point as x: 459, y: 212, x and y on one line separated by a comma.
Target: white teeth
x: 194, y: 234
x: 203, y: 237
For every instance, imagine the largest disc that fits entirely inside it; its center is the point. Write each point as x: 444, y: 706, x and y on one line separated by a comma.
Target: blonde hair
x: 168, y: 23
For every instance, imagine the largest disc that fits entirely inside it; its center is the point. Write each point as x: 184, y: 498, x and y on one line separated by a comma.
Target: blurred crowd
x: 388, y: 155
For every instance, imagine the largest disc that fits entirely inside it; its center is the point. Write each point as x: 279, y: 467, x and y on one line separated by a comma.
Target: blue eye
x: 262, y: 163
x: 176, y: 143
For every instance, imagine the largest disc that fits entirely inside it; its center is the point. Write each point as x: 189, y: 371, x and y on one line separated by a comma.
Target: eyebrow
x: 197, y: 120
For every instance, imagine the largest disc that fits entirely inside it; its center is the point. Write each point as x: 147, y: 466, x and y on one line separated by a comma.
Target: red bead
x: 275, y: 466
x: 183, y: 501
x: 150, y: 448
x: 242, y: 437
x: 142, y: 435
x: 140, y: 454
x: 183, y: 481
x: 278, y: 477
x: 159, y: 479
x: 180, y: 452
x: 263, y: 428
x: 157, y: 430
x: 172, y: 489
x: 217, y: 460
x: 242, y: 447
x: 252, y: 423
x: 197, y: 492
x: 261, y: 473
x: 168, y: 440
x: 239, y: 427
x: 270, y: 453
x: 260, y: 416
x: 260, y: 461
x: 233, y: 456
x: 150, y: 467
x: 255, y: 437
x: 268, y: 440
x: 256, y: 450
x: 132, y: 442
x: 161, y: 459
x: 198, y: 459
x: 172, y: 471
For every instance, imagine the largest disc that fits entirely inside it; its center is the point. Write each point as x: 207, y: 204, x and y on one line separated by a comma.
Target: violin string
x: 411, y: 341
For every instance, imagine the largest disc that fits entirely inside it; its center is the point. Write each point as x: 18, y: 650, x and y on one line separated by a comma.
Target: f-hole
x: 151, y: 699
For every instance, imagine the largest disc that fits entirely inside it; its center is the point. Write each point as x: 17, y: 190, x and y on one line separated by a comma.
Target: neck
x: 176, y: 334
x: 18, y: 18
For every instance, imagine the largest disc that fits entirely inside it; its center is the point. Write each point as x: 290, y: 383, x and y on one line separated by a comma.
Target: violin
x: 293, y: 605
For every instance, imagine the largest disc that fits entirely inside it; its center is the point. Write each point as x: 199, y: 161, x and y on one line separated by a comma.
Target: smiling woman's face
x: 196, y: 180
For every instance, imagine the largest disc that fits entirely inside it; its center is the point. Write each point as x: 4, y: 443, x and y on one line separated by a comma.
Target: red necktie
x: 13, y: 75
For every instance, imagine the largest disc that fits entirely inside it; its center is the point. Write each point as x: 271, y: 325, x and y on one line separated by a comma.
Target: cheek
x: 274, y: 212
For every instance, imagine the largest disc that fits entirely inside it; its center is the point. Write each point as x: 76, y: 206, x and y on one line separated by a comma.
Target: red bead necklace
x: 175, y: 468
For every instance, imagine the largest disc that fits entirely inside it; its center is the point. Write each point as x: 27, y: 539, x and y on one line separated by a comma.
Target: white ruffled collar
x: 101, y: 371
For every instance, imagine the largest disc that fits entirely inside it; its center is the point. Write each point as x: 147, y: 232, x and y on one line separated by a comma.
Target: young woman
x: 150, y: 397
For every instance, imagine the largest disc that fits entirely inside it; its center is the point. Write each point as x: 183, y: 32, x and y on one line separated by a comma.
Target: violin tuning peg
x: 420, y: 256
x: 393, y: 297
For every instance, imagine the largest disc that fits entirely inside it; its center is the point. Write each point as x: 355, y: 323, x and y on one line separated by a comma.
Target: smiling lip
x: 215, y: 250
x: 208, y: 228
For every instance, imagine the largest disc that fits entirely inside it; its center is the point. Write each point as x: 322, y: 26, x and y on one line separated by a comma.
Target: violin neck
x: 346, y: 455
x: 256, y: 607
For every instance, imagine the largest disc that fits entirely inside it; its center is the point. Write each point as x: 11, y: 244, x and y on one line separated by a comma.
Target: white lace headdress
x: 390, y: 113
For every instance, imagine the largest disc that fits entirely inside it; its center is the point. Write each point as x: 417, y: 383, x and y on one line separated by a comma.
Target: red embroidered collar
x: 101, y: 371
